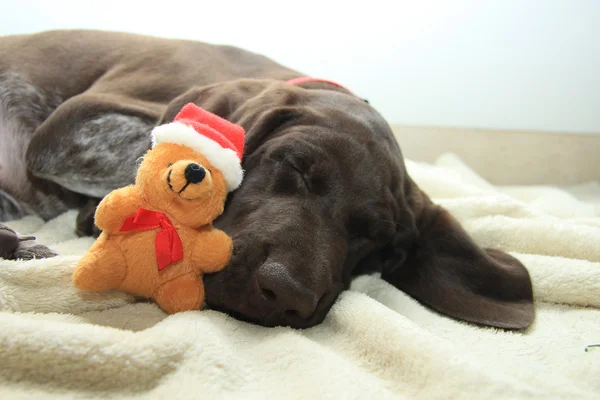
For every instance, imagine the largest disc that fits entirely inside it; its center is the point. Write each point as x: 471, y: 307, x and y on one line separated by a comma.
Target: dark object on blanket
x: 8, y: 242
x: 326, y: 194
x: 591, y: 346
x: 14, y: 246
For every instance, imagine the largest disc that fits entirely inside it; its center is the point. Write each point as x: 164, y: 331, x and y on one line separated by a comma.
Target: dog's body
x: 325, y: 196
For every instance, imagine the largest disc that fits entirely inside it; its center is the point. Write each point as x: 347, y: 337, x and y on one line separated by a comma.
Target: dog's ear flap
x: 448, y: 272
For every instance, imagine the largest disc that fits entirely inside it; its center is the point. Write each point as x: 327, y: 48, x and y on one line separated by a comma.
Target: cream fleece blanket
x: 376, y: 342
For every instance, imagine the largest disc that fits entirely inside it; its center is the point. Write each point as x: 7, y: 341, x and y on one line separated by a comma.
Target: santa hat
x: 220, y: 141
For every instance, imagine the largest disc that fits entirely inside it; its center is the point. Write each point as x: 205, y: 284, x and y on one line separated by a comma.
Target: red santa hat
x: 220, y: 141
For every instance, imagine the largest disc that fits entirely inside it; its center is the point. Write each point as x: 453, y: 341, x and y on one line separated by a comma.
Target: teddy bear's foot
x: 16, y: 247
x: 184, y: 293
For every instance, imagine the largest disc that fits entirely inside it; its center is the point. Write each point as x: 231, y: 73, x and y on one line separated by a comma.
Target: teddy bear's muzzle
x: 189, y: 180
x: 194, y: 173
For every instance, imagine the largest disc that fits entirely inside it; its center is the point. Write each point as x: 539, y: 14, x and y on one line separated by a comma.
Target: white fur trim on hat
x: 225, y: 160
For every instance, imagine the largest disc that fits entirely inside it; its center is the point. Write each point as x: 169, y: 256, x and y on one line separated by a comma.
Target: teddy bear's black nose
x: 194, y: 173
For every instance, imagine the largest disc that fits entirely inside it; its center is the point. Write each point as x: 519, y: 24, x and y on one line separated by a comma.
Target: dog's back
x: 72, y: 61
x: 130, y: 79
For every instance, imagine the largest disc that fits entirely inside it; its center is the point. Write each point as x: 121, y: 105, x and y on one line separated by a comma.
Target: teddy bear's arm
x: 212, y: 251
x: 115, y: 208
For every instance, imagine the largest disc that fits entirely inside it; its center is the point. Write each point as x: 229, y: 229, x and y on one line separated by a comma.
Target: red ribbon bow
x: 168, y: 244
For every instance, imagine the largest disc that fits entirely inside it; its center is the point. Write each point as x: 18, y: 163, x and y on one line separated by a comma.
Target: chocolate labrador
x: 326, y: 195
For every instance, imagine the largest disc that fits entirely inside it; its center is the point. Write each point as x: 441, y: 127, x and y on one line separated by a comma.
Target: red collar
x: 307, y: 79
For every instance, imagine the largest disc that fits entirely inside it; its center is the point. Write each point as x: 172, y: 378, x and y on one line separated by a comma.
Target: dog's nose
x: 194, y: 173
x: 283, y: 292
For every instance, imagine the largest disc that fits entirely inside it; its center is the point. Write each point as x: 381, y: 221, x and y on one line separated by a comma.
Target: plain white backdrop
x: 493, y: 64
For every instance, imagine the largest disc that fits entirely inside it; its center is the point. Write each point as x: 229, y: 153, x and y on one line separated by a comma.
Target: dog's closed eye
x: 290, y: 177
x: 300, y: 171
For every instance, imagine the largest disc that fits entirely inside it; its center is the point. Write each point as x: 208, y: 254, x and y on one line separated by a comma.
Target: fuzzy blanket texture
x: 376, y: 342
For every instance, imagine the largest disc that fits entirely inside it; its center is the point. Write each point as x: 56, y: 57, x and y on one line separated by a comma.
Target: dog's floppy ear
x: 447, y: 271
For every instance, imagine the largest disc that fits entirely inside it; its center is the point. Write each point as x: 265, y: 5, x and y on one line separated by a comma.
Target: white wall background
x: 492, y: 64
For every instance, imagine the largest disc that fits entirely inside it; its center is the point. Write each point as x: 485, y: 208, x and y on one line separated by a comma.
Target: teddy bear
x: 157, y: 236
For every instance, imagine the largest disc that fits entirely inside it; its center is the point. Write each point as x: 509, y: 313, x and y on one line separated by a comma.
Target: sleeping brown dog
x: 326, y: 195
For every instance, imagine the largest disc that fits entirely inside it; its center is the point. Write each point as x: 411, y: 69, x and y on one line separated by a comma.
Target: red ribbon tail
x: 176, y: 249
x: 169, y: 248
x: 163, y: 249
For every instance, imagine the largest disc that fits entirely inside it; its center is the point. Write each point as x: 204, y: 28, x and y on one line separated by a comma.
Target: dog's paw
x: 16, y: 247
x: 9, y: 241
x: 30, y: 249
x: 85, y: 225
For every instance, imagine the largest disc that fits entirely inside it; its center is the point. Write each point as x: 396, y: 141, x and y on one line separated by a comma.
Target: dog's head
x: 176, y: 178
x: 326, y: 195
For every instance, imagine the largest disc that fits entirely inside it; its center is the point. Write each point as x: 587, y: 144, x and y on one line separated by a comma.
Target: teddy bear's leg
x: 181, y: 294
x: 101, y: 268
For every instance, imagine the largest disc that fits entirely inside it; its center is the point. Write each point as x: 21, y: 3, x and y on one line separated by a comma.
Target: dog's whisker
x: 389, y: 222
x: 265, y: 230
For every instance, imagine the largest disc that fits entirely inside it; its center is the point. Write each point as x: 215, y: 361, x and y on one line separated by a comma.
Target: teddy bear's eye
x: 170, y: 164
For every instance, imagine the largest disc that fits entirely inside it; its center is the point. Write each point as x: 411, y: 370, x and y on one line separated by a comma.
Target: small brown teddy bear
x: 157, y: 237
